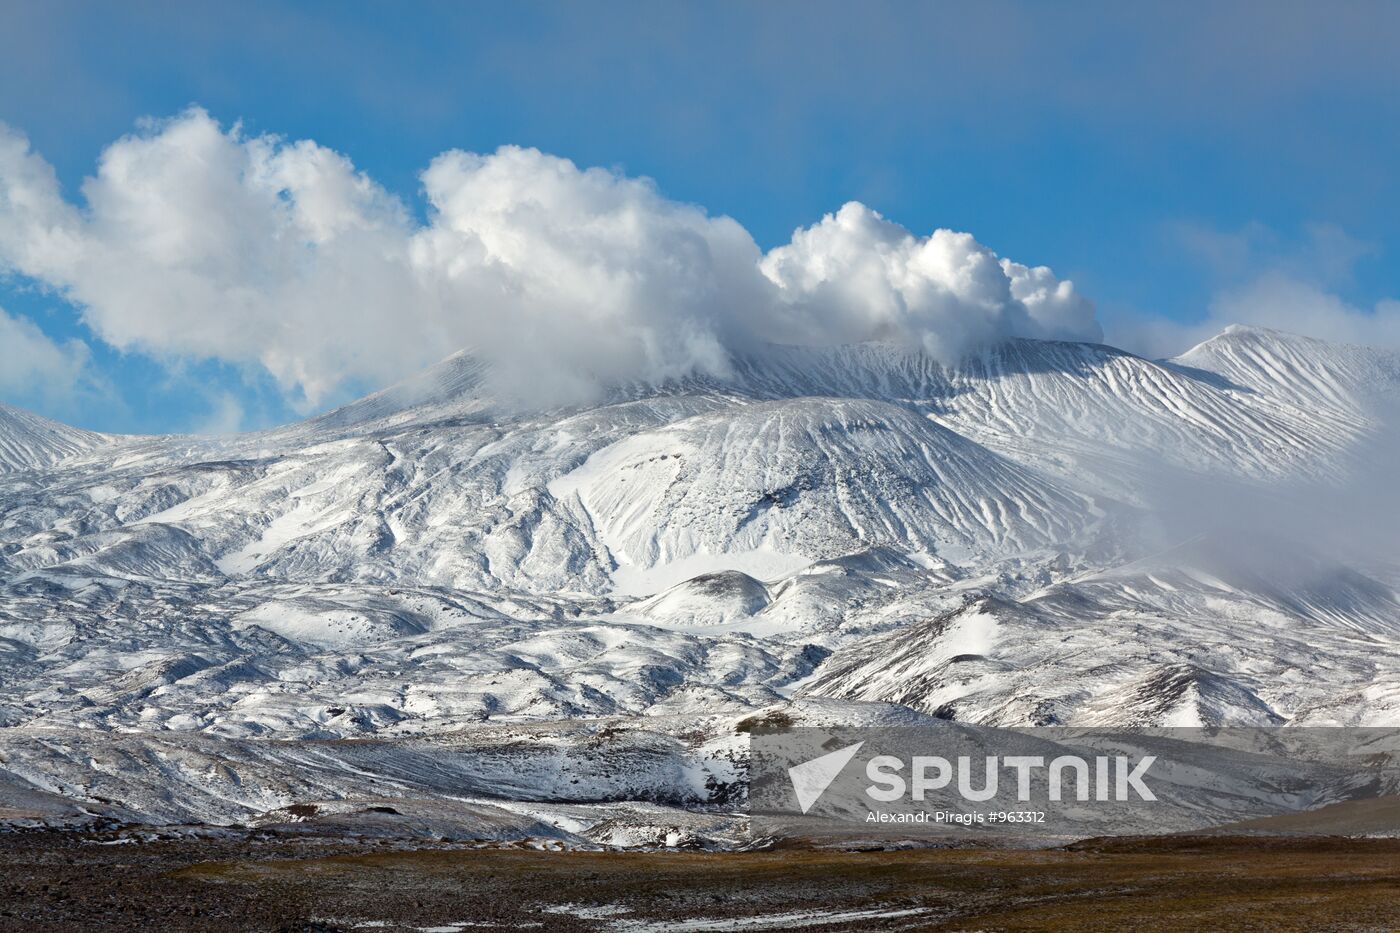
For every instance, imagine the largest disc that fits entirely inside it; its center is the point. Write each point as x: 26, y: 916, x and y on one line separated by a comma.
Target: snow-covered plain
x: 527, y: 618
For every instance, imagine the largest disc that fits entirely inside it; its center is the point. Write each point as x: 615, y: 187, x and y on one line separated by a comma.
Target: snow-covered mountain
x: 835, y: 529
x: 29, y: 442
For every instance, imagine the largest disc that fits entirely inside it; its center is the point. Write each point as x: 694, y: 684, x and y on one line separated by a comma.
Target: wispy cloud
x: 1266, y: 279
x: 1322, y: 253
x: 34, y: 367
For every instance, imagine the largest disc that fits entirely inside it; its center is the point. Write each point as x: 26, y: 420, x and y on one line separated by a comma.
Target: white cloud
x: 568, y: 275
x: 1265, y: 279
x: 856, y: 276
x: 33, y: 366
x: 1276, y: 301
x: 1289, y: 304
x: 198, y: 241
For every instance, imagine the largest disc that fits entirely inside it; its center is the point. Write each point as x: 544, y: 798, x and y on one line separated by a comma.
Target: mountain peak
x: 1254, y: 333
x: 1297, y: 368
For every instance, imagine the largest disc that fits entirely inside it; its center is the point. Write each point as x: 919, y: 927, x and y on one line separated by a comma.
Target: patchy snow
x: 778, y: 921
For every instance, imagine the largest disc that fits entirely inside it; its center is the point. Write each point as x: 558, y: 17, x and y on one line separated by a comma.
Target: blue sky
x: 1177, y: 162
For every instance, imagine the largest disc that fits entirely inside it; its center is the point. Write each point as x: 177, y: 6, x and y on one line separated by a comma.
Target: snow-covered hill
x: 856, y: 526
x: 29, y: 442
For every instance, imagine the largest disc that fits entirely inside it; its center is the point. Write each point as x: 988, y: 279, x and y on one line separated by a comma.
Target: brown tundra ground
x: 67, y: 881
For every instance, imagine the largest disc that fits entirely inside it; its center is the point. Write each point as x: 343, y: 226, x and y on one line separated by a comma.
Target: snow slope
x: 28, y: 441
x: 856, y: 526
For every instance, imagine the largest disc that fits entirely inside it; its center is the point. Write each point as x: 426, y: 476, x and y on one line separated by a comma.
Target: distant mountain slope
x: 1241, y: 402
x: 451, y: 388
x: 805, y: 454
x: 1299, y: 371
x: 1089, y: 414
x: 28, y: 441
x: 817, y: 477
x: 849, y: 525
x: 1181, y: 640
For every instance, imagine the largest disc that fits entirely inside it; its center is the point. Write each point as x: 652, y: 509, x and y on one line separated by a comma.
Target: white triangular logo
x: 811, y: 778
